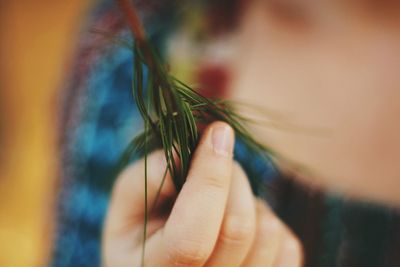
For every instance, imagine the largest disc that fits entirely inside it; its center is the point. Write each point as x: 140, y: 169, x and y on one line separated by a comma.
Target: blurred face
x: 334, y: 66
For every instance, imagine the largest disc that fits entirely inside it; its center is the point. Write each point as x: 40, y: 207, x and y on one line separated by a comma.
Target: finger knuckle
x: 237, y: 168
x: 293, y: 246
x: 269, y: 228
x: 124, y: 179
x: 216, y: 182
x: 213, y: 182
x: 237, y: 230
x: 129, y: 176
x: 185, y: 253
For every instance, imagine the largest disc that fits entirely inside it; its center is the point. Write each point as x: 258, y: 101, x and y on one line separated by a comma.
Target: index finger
x: 128, y: 196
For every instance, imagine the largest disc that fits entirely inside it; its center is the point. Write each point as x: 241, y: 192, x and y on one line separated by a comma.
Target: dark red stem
x: 132, y: 19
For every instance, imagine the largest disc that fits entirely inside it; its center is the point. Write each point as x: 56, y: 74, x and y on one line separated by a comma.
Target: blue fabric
x: 106, y: 125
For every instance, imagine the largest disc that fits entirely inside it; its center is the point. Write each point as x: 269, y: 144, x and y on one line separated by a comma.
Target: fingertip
x: 128, y: 189
x: 214, y: 155
x: 156, y: 165
x: 218, y: 137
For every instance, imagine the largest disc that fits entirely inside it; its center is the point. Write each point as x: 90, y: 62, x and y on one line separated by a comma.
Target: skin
x: 214, y: 221
x: 334, y: 66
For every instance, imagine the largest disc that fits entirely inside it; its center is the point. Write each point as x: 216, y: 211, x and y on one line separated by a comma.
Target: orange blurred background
x: 36, y: 42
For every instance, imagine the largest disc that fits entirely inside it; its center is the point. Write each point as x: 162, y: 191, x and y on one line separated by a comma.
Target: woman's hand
x: 214, y: 221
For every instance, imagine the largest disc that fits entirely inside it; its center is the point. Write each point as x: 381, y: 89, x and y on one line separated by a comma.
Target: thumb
x: 192, y: 229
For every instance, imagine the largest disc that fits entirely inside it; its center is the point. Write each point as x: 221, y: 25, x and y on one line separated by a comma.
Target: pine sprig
x: 173, y: 110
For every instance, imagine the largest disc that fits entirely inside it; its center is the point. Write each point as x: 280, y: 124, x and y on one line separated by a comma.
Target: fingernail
x: 222, y: 139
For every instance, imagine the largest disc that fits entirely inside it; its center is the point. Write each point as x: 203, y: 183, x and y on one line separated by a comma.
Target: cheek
x: 344, y: 82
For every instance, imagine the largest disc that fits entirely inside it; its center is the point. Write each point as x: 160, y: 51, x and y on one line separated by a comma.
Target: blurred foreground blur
x: 35, y: 41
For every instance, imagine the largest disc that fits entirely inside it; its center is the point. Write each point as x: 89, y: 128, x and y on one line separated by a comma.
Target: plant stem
x: 133, y: 19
